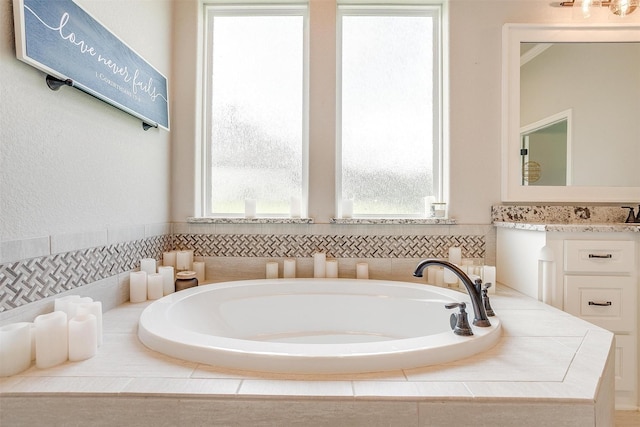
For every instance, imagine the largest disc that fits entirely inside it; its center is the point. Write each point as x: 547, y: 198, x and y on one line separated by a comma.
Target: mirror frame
x: 512, y: 36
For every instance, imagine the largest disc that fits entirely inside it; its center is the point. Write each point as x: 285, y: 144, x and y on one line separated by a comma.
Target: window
x: 387, y: 95
x: 389, y: 117
x: 255, y: 109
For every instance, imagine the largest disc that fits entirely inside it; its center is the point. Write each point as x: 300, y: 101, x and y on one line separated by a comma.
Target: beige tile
x: 521, y: 414
x: 72, y: 385
x: 76, y: 241
x: 17, y: 250
x: 316, y: 389
x: 183, y: 386
x: 404, y: 389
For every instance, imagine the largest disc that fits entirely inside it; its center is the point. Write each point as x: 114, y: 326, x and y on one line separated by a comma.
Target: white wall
x: 475, y: 99
x: 68, y: 162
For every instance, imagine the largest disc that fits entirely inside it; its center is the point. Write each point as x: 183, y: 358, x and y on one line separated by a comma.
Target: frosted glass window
x: 256, y: 113
x: 389, y: 118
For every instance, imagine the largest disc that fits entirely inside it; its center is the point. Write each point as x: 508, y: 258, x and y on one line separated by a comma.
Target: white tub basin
x: 312, y: 326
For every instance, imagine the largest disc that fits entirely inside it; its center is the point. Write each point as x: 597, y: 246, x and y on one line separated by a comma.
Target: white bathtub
x: 313, y: 326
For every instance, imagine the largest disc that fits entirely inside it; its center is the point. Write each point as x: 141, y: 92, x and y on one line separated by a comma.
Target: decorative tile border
x: 337, y: 246
x: 31, y: 280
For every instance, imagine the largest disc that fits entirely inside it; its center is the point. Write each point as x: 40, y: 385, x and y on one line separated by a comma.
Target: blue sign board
x: 61, y: 39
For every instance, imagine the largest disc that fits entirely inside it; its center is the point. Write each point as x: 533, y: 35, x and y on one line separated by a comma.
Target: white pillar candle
x: 362, y: 270
x: 148, y: 265
x: 272, y: 270
x: 249, y: 208
x: 295, y: 207
x: 155, y: 286
x: 455, y: 255
x: 169, y: 258
x: 431, y: 275
x: 319, y: 264
x: 289, y: 269
x: 94, y: 308
x: 440, y: 277
x: 33, y: 341
x: 83, y: 337
x: 62, y: 303
x: 450, y: 277
x: 331, y: 268
x: 198, y: 267
x: 428, y: 206
x: 52, y: 346
x: 489, y: 276
x: 347, y: 208
x: 183, y: 260
x: 168, y: 280
x: 137, y: 286
x: 15, y: 348
x: 72, y: 307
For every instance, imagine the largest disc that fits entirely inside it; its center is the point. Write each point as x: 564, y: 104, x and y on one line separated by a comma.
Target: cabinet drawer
x: 606, y: 301
x: 599, y: 256
x: 625, y: 360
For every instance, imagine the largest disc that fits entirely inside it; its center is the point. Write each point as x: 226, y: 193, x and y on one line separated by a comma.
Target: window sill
x: 394, y: 221
x: 240, y: 220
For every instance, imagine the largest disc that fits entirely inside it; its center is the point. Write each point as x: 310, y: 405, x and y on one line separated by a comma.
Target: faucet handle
x: 485, y: 300
x: 458, y: 321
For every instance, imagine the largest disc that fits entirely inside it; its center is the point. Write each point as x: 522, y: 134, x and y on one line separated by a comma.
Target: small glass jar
x: 185, y: 280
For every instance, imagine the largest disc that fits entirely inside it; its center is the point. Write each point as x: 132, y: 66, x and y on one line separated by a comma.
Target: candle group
x: 319, y: 265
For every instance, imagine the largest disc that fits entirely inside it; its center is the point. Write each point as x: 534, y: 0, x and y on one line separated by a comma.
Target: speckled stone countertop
x: 568, y: 219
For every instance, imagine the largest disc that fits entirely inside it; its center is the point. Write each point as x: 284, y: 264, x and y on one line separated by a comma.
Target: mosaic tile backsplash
x: 31, y: 280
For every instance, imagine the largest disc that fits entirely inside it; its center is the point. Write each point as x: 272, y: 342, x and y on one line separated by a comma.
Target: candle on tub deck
x: 455, y: 255
x: 249, y: 208
x: 155, y: 286
x: 183, y: 260
x: 431, y: 275
x: 83, y: 337
x: 52, y: 346
x: 272, y: 270
x: 15, y: 348
x: 331, y: 268
x: 347, y: 208
x: 289, y: 269
x: 295, y: 208
x: 148, y: 265
x: 362, y: 270
x: 168, y: 281
x: 138, y: 286
x: 450, y: 277
x: 94, y: 308
x: 198, y: 267
x: 489, y: 276
x: 319, y: 265
x: 62, y: 303
x: 72, y: 307
x: 169, y: 258
x: 440, y: 277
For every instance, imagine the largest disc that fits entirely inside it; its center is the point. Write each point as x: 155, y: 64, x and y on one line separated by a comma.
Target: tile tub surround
x: 34, y: 271
x: 549, y: 369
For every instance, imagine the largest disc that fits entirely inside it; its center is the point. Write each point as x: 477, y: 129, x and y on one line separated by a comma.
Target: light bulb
x: 586, y: 6
x: 623, y: 7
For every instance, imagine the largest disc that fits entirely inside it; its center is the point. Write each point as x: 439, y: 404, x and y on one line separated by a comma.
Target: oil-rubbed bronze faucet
x: 474, y: 290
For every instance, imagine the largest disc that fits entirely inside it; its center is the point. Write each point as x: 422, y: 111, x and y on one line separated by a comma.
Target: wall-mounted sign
x: 61, y: 39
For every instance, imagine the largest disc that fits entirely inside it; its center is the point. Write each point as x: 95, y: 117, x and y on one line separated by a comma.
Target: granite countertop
x: 570, y: 228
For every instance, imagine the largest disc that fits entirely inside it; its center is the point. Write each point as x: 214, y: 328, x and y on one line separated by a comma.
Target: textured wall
x: 69, y: 162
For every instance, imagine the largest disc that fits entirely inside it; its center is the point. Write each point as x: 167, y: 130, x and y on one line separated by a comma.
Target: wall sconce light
x: 617, y: 7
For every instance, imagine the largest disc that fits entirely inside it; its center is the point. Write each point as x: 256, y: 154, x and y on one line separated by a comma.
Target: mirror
x: 571, y: 113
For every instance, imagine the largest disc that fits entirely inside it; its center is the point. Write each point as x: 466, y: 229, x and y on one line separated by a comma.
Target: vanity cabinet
x: 589, y: 274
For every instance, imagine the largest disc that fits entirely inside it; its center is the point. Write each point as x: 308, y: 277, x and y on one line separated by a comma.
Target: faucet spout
x: 474, y: 289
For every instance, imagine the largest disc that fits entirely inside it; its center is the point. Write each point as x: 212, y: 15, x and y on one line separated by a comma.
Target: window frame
x: 321, y: 193
x: 239, y: 10
x: 431, y: 10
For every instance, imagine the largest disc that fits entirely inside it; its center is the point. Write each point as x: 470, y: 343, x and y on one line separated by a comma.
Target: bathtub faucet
x: 474, y: 289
